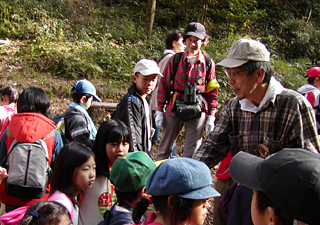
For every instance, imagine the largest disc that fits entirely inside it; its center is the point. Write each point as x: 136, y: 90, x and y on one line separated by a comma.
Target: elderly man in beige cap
x: 262, y: 119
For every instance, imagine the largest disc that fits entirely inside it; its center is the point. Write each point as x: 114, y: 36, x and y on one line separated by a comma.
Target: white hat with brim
x: 245, y: 50
x: 147, y: 67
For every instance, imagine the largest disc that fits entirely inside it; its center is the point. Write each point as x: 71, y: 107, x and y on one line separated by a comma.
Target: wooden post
x: 108, y: 105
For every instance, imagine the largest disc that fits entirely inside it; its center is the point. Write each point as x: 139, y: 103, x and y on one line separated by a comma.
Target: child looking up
x: 112, y: 141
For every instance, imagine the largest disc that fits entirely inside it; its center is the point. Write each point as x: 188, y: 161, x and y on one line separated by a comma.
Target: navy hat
x: 184, y: 177
x: 86, y: 87
x: 195, y: 29
x: 290, y: 178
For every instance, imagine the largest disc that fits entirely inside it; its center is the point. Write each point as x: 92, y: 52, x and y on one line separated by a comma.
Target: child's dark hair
x: 45, y: 212
x: 108, y: 132
x: 123, y: 197
x: 179, y: 210
x: 312, y: 79
x: 13, y: 92
x: 34, y: 100
x: 174, y: 35
x: 77, y: 96
x: 263, y: 202
x: 70, y: 157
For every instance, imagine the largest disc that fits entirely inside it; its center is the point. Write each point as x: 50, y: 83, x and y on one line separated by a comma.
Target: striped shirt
x: 286, y: 120
x: 187, y: 73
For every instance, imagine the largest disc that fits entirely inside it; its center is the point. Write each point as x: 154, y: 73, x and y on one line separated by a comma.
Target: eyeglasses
x: 234, y: 74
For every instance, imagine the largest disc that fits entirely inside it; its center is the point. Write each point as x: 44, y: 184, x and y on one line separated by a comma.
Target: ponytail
x: 139, y: 209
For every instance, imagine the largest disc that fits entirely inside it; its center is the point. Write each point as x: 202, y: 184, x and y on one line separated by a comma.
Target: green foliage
x: 104, y: 39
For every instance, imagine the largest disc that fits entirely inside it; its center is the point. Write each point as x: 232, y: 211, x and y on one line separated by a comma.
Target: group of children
x: 104, y: 184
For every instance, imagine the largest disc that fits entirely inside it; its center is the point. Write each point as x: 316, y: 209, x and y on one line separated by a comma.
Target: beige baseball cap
x: 243, y: 51
x: 147, y: 67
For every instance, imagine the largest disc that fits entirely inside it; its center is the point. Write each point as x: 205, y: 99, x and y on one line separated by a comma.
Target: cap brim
x: 232, y: 63
x: 150, y: 72
x: 244, y: 170
x: 197, y: 35
x: 96, y: 98
x: 201, y: 193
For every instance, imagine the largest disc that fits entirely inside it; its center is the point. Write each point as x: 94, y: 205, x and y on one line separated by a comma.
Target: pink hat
x: 314, y: 72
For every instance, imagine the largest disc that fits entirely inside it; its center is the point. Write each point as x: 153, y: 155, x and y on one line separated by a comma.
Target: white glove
x: 3, y: 173
x: 210, y: 124
x: 159, y: 119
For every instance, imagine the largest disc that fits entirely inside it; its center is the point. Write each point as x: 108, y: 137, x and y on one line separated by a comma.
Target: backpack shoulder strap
x: 208, y: 67
x: 60, y: 195
x: 14, y: 216
x: 176, y: 60
x: 163, y: 57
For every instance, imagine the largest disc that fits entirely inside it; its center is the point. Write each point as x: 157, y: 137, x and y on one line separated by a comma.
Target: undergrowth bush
x: 104, y: 39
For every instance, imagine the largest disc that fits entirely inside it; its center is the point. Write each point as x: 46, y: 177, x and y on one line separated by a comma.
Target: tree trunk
x: 151, y: 8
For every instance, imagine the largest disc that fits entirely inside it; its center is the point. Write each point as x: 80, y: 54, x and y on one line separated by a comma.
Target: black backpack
x: 61, y: 125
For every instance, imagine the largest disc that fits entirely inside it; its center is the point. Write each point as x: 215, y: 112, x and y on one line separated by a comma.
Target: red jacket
x: 28, y: 127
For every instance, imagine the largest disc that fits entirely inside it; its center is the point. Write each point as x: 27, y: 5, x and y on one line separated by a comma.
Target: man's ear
x: 273, y: 218
x: 261, y: 75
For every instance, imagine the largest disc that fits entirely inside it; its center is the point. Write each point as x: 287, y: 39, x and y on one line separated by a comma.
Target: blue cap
x: 183, y: 177
x: 86, y: 87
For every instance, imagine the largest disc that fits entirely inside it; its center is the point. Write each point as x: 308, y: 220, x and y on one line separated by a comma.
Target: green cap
x: 131, y: 171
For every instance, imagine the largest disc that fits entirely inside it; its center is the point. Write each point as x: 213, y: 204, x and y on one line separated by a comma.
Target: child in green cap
x: 129, y: 175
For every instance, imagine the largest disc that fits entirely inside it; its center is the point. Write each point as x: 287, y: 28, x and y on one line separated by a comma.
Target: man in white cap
x: 262, y: 119
x: 135, y: 110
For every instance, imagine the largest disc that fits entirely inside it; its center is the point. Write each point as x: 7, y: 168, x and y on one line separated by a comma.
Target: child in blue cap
x: 79, y: 126
x: 180, y: 188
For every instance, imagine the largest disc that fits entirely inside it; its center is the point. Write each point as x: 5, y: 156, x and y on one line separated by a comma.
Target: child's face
x: 85, y: 175
x: 145, y: 84
x: 199, y: 212
x: 115, y: 150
